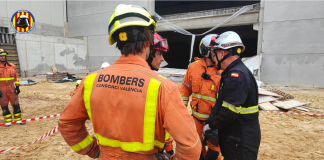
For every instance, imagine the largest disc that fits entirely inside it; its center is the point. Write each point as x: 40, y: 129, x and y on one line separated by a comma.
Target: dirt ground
x: 283, y: 136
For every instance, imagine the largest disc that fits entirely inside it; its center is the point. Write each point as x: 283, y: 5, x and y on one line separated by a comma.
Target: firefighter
x: 155, y: 59
x: 202, y: 82
x: 130, y: 106
x: 9, y: 88
x: 236, y: 112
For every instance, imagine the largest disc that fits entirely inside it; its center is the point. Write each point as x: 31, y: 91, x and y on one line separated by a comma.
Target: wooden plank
x: 54, y: 69
x: 268, y: 93
x: 267, y: 106
x: 289, y: 104
x: 263, y: 99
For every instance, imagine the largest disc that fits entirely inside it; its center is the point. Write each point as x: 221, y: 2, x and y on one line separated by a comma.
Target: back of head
x: 130, y: 26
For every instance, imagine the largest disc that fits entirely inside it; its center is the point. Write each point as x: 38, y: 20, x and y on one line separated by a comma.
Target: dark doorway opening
x: 179, y: 53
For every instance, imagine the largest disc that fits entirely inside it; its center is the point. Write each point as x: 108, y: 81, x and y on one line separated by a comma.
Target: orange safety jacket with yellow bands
x: 9, y: 75
x: 203, y: 91
x: 131, y: 108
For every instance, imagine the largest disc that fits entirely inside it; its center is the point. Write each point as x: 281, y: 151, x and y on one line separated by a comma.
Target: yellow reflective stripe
x: 7, y: 79
x: 212, y: 88
x: 200, y: 115
x: 7, y: 120
x: 83, y: 144
x: 184, y: 98
x: 88, y: 84
x: 17, y: 114
x: 149, y: 125
x: 17, y: 82
x: 150, y: 111
x: 185, y: 103
x: 17, y: 119
x: 128, y: 146
x: 6, y: 116
x: 4, y: 53
x: 249, y: 110
x: 167, y: 136
x: 232, y: 107
x: 204, y: 97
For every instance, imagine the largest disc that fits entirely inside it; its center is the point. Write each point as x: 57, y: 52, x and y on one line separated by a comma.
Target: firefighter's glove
x: 206, y: 127
x: 17, y: 90
x: 212, y: 137
x: 97, y: 155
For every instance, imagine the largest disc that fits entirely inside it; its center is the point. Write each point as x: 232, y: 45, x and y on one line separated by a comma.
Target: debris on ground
x: 277, y: 100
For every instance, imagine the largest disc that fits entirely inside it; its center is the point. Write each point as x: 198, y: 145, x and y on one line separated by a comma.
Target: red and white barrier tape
x: 308, y: 114
x: 29, y: 120
x: 43, y: 137
x: 60, y: 72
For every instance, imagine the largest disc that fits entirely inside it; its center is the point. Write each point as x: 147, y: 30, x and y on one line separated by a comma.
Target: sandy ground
x: 283, y: 136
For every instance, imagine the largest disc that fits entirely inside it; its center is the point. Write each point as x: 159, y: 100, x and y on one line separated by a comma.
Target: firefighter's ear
x: 147, y: 43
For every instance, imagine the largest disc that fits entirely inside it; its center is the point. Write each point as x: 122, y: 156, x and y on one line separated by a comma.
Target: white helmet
x: 226, y: 41
x: 207, y: 43
x: 229, y: 40
x: 104, y: 65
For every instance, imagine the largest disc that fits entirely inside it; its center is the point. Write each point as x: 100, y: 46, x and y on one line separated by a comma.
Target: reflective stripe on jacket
x: 203, y: 91
x: 9, y: 75
x: 131, y: 108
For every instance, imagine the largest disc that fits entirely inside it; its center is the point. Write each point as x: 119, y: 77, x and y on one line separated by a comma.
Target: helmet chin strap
x: 211, y: 58
x: 220, y: 61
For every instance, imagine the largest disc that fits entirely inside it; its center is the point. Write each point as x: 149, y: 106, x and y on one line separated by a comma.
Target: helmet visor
x: 162, y: 45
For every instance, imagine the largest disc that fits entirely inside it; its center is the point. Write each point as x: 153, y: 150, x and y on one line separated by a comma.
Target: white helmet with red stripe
x: 207, y: 43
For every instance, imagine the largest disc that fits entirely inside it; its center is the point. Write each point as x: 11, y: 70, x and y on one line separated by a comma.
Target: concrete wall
x: 38, y: 53
x: 49, y: 15
x: 93, y: 23
x: 46, y: 45
x: 292, y: 43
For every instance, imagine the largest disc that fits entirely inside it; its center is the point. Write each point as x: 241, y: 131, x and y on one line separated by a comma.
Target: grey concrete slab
x: 48, y: 30
x: 60, y: 56
x: 292, y: 10
x: 14, y: 6
x: 34, y: 55
x: 210, y: 21
x: 77, y: 8
x: 42, y: 11
x: 293, y: 37
x: 48, y: 54
x: 98, y: 60
x: 95, y: 24
x: 22, y: 55
x: 57, y: 8
x: 99, y: 46
x: 3, y: 10
x: 301, y: 70
x: 275, y: 69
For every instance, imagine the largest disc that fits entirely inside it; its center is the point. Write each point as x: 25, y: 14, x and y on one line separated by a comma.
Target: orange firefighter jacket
x: 203, y: 91
x: 8, y: 76
x: 131, y: 108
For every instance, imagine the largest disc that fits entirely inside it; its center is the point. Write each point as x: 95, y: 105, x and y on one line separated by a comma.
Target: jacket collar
x: 232, y: 65
x: 132, y: 59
